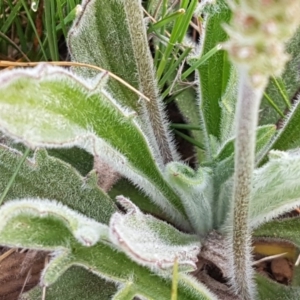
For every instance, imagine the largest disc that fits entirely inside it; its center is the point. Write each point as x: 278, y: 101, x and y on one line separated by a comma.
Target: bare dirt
x: 19, y: 271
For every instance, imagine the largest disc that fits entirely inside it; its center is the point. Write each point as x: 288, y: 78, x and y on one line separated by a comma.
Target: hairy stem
x: 148, y: 84
x: 246, y: 120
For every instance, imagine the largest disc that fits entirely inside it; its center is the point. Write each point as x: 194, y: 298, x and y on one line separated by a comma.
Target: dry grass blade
x: 297, y: 261
x: 25, y: 281
x: 7, y: 254
x: 4, y: 63
x: 44, y: 287
x: 269, y: 258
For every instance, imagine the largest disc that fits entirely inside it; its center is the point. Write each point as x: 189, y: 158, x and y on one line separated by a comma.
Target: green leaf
x: 71, y: 112
x: 109, y: 24
x: 48, y: 177
x: 81, y: 160
x: 225, y: 168
x: 196, y: 190
x: 223, y: 184
x: 102, y: 27
x: 228, y: 104
x: 103, y: 258
x: 284, y: 87
x: 76, y: 157
x: 276, y: 187
x: 86, y: 231
x: 125, y: 187
x: 167, y: 19
x: 286, y: 229
x: 125, y: 293
x: 264, y: 134
x: 187, y: 104
x: 268, y: 289
x: 152, y: 242
x: 75, y: 284
x: 214, y: 74
x: 288, y: 136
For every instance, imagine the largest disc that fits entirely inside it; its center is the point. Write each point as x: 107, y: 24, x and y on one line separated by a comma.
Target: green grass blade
x: 163, y: 22
x: 189, y: 139
x: 11, y: 17
x: 14, y: 175
x: 185, y: 126
x: 61, y: 19
x: 273, y: 104
x: 195, y: 65
x: 34, y: 28
x: 50, y: 24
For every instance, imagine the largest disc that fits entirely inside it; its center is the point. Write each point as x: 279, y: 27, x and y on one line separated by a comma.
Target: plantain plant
x: 121, y: 213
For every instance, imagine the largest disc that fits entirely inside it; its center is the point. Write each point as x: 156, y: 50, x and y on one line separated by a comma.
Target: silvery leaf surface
x: 276, y: 187
x: 152, y: 242
x: 44, y: 176
x: 77, y: 240
x: 100, y: 37
x: 75, y: 284
x: 269, y: 289
x: 112, y: 35
x: 59, y: 109
x: 197, y: 190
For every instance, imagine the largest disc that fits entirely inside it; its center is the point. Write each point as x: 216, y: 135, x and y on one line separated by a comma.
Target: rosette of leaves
x: 124, y: 243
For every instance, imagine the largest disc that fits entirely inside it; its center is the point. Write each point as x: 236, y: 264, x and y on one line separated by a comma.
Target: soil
x: 19, y: 271
x: 280, y: 269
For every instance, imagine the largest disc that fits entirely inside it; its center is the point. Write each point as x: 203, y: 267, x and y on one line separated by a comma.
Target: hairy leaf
x: 263, y: 136
x: 71, y: 112
x: 126, y: 292
x: 225, y: 168
x: 284, y: 87
x: 196, y: 190
x: 214, y: 74
x: 286, y: 229
x: 118, y: 30
x: 276, y: 187
x: 78, y: 158
x: 81, y: 160
x: 228, y: 104
x: 126, y: 188
x: 103, y: 258
x: 288, y: 136
x: 44, y: 176
x: 75, y: 284
x: 86, y: 231
x: 268, y: 289
x: 151, y: 242
x: 103, y: 23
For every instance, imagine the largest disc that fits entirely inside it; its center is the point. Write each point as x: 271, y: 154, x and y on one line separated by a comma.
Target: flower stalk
x: 148, y: 85
x: 247, y: 117
x: 258, y: 32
